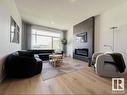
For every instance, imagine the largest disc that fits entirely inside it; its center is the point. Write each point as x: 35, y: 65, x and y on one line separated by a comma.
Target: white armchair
x: 102, y: 67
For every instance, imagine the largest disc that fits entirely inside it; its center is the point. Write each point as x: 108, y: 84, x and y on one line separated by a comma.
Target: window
x: 42, y: 39
x: 56, y: 43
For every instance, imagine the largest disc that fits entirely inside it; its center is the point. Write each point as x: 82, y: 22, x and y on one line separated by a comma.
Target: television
x: 83, y: 37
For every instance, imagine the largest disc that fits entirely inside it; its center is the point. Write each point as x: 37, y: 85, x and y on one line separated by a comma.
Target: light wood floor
x: 83, y: 81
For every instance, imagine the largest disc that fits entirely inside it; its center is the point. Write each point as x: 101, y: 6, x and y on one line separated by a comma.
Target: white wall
x: 97, y: 34
x: 116, y: 17
x: 70, y: 42
x: 8, y: 8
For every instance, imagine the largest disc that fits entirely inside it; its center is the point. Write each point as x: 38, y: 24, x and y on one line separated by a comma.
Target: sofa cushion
x: 42, y: 51
x: 44, y: 56
x: 26, y: 53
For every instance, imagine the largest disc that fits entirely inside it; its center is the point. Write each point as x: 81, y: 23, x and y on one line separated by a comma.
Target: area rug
x: 50, y: 72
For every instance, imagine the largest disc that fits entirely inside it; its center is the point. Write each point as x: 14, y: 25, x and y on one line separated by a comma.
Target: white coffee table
x: 56, y: 59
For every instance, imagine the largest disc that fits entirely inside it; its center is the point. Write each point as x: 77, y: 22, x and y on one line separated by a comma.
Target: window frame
x: 52, y: 37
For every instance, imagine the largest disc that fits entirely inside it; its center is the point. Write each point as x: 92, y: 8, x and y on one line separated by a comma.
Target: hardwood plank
x: 83, y: 81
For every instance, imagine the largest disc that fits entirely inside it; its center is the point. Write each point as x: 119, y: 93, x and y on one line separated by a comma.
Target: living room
x: 62, y: 37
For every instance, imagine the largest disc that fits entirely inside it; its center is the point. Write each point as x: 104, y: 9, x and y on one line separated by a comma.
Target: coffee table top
x: 55, y: 55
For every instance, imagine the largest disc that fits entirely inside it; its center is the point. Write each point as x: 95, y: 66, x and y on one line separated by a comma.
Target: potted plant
x: 64, y: 41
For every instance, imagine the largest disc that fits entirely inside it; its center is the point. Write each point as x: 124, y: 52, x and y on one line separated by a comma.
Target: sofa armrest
x: 100, y: 62
x: 94, y: 56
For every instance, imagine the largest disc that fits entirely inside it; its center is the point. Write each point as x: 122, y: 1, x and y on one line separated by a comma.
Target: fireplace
x: 81, y: 54
x: 83, y: 41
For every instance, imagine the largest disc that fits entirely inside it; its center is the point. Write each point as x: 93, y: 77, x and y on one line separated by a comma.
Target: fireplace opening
x: 82, y: 52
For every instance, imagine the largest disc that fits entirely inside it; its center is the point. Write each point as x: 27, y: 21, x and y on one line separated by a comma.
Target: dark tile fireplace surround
x: 83, y: 49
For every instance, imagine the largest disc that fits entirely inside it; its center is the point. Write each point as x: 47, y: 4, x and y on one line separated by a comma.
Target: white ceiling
x: 62, y: 14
